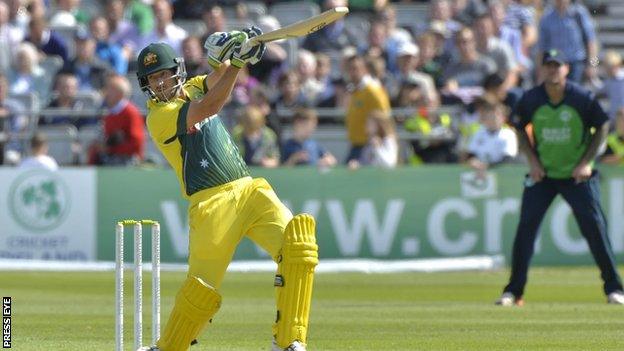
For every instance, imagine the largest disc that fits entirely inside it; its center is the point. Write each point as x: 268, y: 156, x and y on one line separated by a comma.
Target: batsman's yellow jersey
x: 203, y: 157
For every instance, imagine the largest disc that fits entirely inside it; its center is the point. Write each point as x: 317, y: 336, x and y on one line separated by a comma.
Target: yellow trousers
x: 220, y: 217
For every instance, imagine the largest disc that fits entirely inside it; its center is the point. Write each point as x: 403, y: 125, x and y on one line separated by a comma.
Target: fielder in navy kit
x: 568, y: 128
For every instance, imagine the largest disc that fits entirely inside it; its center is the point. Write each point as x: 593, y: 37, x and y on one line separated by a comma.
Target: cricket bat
x: 303, y: 27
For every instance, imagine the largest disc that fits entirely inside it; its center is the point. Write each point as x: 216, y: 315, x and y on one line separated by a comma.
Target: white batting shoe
x: 295, y: 346
x: 148, y: 348
x: 508, y: 299
x: 616, y: 298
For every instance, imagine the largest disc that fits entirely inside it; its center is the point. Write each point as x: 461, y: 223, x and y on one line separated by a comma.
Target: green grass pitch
x: 565, y: 310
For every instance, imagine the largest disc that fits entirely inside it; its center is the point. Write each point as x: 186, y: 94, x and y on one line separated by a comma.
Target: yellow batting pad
x: 195, y: 305
x: 294, y: 280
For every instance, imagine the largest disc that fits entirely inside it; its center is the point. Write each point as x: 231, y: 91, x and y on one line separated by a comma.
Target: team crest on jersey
x: 150, y: 59
x: 565, y: 116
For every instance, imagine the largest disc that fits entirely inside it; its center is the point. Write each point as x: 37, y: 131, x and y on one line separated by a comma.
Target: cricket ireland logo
x: 39, y: 200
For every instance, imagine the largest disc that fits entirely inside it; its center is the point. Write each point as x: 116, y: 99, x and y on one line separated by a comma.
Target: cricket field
x: 565, y: 310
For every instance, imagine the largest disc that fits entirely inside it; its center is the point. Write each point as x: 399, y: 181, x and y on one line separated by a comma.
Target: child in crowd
x: 301, y: 148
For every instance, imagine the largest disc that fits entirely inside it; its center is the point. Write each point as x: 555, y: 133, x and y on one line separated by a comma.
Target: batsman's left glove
x: 248, y: 54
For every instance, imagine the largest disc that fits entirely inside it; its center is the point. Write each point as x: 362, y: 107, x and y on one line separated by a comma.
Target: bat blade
x: 303, y: 27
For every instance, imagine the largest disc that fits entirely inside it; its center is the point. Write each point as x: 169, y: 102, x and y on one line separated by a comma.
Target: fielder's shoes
x: 616, y: 298
x: 508, y: 299
x: 295, y: 346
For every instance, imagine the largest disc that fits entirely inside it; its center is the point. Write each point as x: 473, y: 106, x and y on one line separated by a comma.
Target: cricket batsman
x: 225, y: 203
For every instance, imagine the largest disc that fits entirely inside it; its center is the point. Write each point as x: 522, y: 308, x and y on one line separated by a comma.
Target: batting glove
x: 248, y: 54
x: 220, y: 45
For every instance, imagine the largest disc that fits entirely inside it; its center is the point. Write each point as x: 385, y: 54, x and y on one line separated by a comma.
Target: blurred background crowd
x: 394, y: 83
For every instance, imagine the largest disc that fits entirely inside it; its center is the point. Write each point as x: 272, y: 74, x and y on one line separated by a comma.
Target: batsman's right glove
x: 248, y: 54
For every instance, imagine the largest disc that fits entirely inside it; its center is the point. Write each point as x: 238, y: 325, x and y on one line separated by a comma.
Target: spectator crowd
x: 433, y: 90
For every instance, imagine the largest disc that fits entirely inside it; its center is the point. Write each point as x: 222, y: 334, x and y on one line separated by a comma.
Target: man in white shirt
x: 39, y: 158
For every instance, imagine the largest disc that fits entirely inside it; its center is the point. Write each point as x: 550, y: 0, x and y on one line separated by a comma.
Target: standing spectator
x: 463, y: 78
x: 64, y: 97
x: 122, y: 31
x: 256, y: 142
x: 613, y: 85
x: 495, y: 49
x: 382, y: 147
x: 12, y: 119
x: 105, y: 49
x: 86, y: 66
x: 215, y: 21
x: 39, y: 157
x: 124, y: 128
x: 165, y: 31
x: 301, y: 148
x: 69, y: 14
x: 367, y: 98
x: 614, y: 155
x: 560, y: 162
x: 493, y: 143
x: 193, y: 55
x: 569, y: 28
x: 9, y: 39
x: 28, y: 76
x: 306, y: 68
x: 46, y: 40
x: 333, y: 37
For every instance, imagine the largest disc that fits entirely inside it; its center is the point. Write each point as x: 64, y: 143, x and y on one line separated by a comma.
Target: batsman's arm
x: 214, y: 100
x: 216, y: 74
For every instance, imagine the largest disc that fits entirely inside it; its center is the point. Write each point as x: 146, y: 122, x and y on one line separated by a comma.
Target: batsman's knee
x: 300, y: 242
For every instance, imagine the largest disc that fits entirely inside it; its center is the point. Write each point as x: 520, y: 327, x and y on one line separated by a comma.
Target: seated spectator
x: 444, y: 42
x: 215, y: 21
x: 513, y: 38
x: 105, y: 49
x: 466, y: 11
x: 259, y: 99
x: 86, y: 66
x: 306, y: 69
x: 396, y: 36
x: 9, y: 39
x: 301, y: 148
x: 28, y: 76
x: 64, y: 98
x: 241, y: 93
x: 494, y: 143
x: 495, y: 49
x: 39, y: 157
x: 68, y: 14
x: 382, y: 148
x: 333, y: 37
x: 290, y: 94
x: 12, y: 120
x: 407, y: 63
x: 434, y: 137
x: 19, y: 17
x: 193, y: 55
x: 45, y: 40
x: 165, y: 30
x: 426, y: 58
x: 377, y: 68
x: 256, y: 142
x: 494, y: 87
x: 339, y: 97
x: 274, y: 61
x: 140, y: 13
x: 440, y: 11
x: 189, y: 9
x: 613, y: 85
x: 124, y: 128
x: 323, y: 75
x: 464, y: 77
x: 614, y: 155
x: 377, y: 44
x: 122, y: 31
